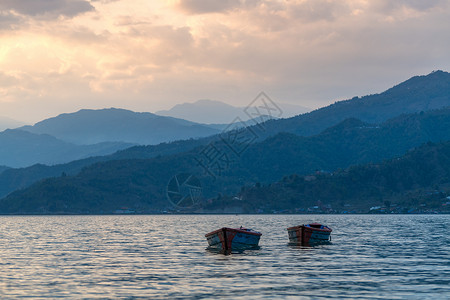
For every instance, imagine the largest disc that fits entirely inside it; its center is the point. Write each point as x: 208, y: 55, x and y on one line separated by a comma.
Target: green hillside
x: 3, y: 168
x: 14, y: 179
x: 418, y: 181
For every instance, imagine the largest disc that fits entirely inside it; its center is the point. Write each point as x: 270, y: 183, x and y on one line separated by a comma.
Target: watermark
x: 184, y: 191
x: 214, y: 159
x: 218, y: 156
x: 262, y: 109
x: 237, y: 136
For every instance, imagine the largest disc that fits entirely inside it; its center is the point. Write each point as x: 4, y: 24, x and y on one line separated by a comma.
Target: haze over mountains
x: 20, y: 148
x: 136, y: 177
x: 8, y: 123
x: 216, y: 112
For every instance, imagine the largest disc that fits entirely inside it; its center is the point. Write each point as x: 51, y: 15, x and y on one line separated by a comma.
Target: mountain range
x: 87, y: 133
x: 355, y: 131
x: 139, y: 183
x: 87, y: 127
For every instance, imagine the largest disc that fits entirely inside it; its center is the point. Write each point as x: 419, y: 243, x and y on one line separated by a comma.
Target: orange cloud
x: 67, y: 55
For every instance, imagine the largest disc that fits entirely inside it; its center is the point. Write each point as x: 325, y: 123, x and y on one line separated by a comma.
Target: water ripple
x: 160, y: 257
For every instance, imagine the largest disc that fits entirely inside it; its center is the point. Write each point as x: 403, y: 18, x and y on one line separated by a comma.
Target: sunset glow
x: 60, y: 56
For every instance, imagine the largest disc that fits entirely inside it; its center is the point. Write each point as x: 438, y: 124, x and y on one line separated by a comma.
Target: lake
x: 164, y: 256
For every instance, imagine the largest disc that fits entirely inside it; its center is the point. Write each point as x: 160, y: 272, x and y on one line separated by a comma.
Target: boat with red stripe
x: 229, y: 239
x: 308, y: 234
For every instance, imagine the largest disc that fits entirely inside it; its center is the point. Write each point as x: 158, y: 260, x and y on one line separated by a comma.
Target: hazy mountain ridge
x: 350, y: 142
x: 21, y: 149
x: 118, y: 125
x: 8, y: 123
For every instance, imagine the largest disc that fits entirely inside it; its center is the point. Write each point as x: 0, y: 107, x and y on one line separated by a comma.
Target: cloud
x: 105, y: 1
x: 147, y: 55
x: 209, y: 6
x: 318, y: 10
x: 49, y: 8
x: 9, y: 21
x: 402, y: 8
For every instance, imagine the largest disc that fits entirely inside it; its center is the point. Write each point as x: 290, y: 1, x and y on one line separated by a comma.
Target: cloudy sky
x: 63, y: 55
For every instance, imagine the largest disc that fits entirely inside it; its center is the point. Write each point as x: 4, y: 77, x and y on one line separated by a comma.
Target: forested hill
x: 140, y: 183
x: 419, y: 93
x: 13, y: 179
x: 349, y: 143
x: 3, y: 168
x: 420, y: 180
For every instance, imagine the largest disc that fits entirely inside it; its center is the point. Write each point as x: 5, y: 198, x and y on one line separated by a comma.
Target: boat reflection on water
x: 309, y: 246
x: 233, y: 240
x: 233, y: 251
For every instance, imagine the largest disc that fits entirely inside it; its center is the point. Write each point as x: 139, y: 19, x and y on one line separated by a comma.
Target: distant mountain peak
x: 92, y: 126
x: 210, y: 102
x: 216, y: 112
x: 204, y: 111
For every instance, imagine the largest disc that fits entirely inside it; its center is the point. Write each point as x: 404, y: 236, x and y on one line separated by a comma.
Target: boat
x: 309, y: 234
x: 230, y: 239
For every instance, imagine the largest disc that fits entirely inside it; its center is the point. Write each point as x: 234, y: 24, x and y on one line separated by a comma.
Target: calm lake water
x: 371, y: 256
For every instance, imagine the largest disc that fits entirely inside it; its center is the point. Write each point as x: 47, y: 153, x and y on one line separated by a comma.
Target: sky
x: 60, y: 56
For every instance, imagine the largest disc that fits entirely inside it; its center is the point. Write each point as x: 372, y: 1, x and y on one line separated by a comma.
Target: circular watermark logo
x: 184, y: 190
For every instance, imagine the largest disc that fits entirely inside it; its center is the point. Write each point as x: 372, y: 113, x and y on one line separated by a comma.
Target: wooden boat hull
x: 228, y: 239
x: 309, y: 234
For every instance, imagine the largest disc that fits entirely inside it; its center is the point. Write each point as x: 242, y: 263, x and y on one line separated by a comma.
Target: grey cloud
x: 105, y: 1
x: 318, y: 10
x: 209, y: 6
x: 9, y: 21
x: 419, y: 5
x: 7, y: 80
x: 51, y: 8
